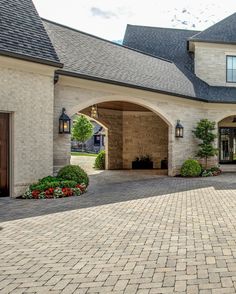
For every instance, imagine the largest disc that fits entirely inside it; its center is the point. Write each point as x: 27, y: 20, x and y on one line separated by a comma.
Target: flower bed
x: 192, y: 168
x: 54, y: 192
x: 72, y: 183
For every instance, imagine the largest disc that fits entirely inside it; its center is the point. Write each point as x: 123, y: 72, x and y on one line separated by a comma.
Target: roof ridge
x: 210, y: 28
x: 105, y: 40
x: 163, y: 28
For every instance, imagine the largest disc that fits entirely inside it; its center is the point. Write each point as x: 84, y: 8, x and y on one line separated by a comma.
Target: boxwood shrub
x: 74, y: 173
x: 100, y: 160
x: 191, y: 168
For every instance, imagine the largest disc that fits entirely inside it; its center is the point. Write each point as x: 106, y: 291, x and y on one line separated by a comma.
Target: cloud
x: 102, y: 13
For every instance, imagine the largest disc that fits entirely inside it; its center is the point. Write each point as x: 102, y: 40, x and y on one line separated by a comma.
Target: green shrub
x: 74, y: 173
x: 68, y: 184
x: 100, y: 160
x: 58, y: 184
x: 191, y: 168
x: 48, y: 179
x: 37, y: 186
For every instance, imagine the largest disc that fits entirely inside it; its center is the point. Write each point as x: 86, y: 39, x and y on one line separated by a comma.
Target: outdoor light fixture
x: 64, y: 123
x: 179, y: 130
x: 94, y: 111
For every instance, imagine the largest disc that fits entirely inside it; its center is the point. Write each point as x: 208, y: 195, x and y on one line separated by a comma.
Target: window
x: 97, y: 140
x: 231, y: 69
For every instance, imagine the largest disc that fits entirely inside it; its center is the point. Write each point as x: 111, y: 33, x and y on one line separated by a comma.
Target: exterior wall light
x: 94, y: 112
x: 64, y: 123
x: 179, y: 130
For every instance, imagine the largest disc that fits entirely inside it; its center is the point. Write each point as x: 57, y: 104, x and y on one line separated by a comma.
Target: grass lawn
x: 83, y: 154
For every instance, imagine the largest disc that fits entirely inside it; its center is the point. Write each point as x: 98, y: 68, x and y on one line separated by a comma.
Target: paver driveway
x: 142, y: 235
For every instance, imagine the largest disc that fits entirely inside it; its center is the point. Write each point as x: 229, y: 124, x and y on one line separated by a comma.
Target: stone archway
x: 133, y: 131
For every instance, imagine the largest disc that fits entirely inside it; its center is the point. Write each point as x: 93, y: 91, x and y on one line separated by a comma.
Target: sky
x: 108, y: 18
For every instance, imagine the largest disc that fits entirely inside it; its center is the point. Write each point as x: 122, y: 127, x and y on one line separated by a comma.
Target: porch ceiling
x: 122, y: 106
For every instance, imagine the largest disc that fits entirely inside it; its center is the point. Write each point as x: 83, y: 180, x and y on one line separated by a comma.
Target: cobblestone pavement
x: 142, y: 235
x: 86, y: 162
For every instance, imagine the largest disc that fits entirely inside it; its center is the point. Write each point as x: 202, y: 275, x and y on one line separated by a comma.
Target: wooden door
x: 4, y: 154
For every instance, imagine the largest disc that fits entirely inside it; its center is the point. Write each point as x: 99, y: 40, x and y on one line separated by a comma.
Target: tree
x: 205, y: 132
x: 82, y: 129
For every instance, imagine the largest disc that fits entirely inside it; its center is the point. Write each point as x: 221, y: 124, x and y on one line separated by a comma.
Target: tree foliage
x: 82, y: 129
x: 204, y: 131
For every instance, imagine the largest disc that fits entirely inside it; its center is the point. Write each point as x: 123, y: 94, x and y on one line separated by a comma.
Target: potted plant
x: 143, y: 162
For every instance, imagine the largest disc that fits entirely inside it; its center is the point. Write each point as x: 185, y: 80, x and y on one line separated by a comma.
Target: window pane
x: 234, y: 75
x: 231, y: 68
x: 229, y: 75
x: 229, y: 62
x: 234, y: 62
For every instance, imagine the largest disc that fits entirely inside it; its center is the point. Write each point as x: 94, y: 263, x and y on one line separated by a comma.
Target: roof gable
x: 223, y: 31
x: 22, y: 33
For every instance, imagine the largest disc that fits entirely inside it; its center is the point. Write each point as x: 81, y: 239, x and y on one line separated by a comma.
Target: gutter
x: 31, y: 58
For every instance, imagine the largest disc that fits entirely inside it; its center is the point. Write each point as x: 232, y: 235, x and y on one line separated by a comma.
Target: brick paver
x: 151, y: 235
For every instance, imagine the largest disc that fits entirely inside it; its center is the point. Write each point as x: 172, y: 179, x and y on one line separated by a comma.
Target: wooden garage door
x: 4, y: 154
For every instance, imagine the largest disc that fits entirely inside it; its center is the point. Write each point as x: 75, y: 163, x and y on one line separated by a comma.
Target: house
x: 143, y: 90
x: 95, y: 144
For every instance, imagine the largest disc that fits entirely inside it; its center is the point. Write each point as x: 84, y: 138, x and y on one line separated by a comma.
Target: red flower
x: 49, y: 191
x: 35, y: 194
x: 67, y: 192
x: 81, y: 187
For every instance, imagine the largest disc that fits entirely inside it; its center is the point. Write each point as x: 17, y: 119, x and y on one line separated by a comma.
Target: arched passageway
x: 227, y: 142
x: 133, y: 131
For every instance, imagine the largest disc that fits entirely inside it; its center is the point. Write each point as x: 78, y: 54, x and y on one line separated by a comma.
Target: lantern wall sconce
x: 94, y: 111
x: 64, y: 123
x: 179, y: 130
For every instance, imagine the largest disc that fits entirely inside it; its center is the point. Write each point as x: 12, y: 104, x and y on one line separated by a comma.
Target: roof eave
x: 31, y: 58
x: 211, y: 41
x: 102, y: 80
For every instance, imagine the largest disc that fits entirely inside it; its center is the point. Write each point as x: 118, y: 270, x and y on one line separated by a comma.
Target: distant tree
x: 204, y: 131
x: 82, y: 129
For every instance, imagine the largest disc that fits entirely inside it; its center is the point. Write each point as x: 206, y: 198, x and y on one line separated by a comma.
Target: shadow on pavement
x: 111, y: 187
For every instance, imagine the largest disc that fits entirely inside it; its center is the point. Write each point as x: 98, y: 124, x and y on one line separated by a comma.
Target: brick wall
x: 210, y: 62
x: 144, y: 133
x: 27, y: 93
x: 77, y: 94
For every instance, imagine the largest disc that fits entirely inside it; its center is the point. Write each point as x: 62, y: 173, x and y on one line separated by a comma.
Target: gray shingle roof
x: 90, y: 57
x: 164, y: 42
x: 22, y: 33
x: 223, y: 31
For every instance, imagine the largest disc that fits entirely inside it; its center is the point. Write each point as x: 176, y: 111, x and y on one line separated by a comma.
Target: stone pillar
x: 61, y: 145
x: 113, y: 120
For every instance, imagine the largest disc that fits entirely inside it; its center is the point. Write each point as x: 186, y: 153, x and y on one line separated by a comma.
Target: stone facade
x: 78, y: 94
x: 144, y: 133
x: 27, y: 94
x: 132, y: 134
x: 210, y: 62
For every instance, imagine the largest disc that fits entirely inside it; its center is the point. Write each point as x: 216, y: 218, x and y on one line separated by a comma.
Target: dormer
x: 215, y: 53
